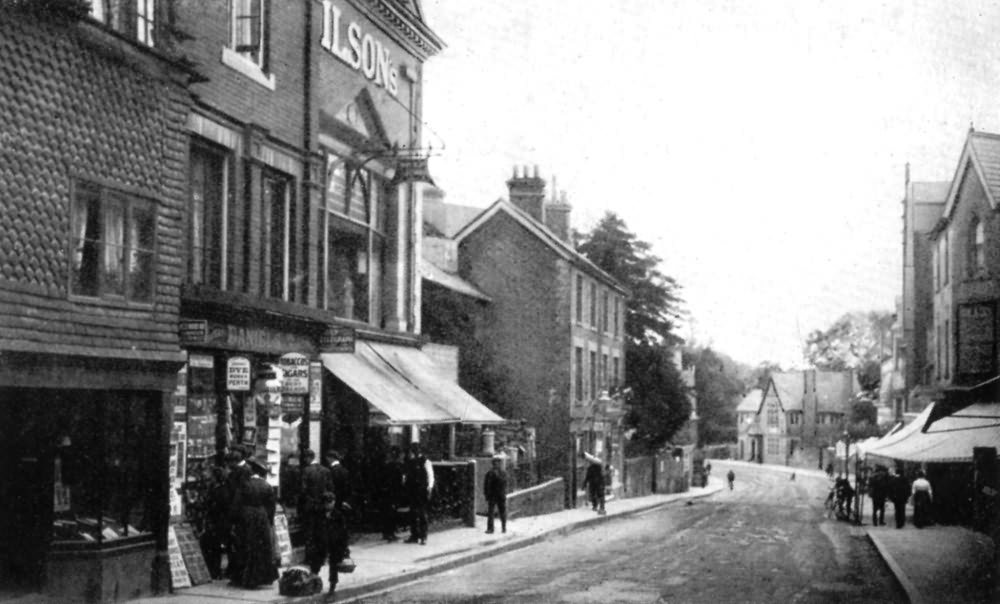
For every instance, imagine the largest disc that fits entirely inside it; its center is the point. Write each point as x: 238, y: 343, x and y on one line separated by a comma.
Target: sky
x: 760, y: 147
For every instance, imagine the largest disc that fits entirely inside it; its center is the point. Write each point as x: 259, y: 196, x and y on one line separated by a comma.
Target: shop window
x: 355, y: 248
x: 114, y: 238
x: 134, y: 18
x: 209, y: 211
x: 104, y: 467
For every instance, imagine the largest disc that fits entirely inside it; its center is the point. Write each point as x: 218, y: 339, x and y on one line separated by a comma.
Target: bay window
x: 355, y: 247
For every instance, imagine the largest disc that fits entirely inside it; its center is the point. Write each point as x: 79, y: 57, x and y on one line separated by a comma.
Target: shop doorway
x: 25, y: 492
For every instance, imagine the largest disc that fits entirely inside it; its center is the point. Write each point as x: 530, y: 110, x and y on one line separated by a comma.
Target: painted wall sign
x: 238, y: 374
x: 192, y: 332
x: 295, y: 373
x: 358, y: 49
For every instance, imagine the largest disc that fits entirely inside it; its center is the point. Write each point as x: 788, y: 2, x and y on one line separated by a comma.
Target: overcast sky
x: 759, y: 146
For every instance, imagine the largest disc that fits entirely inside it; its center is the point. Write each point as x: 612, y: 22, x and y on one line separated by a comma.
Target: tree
x: 655, y: 304
x: 718, y: 389
x: 858, y: 341
x: 658, y: 401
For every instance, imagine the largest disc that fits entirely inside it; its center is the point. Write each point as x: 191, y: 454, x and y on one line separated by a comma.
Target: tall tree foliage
x: 658, y: 402
x: 858, y: 341
x: 655, y: 303
x: 718, y: 388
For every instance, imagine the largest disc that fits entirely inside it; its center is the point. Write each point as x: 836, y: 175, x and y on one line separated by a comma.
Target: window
x: 794, y: 418
x: 946, y: 358
x: 134, y: 18
x: 247, y: 51
x: 772, y: 415
x: 248, y: 30
x: 616, y: 372
x: 208, y: 243
x: 614, y: 323
x: 936, y: 265
x: 593, y: 305
x: 355, y: 250
x: 578, y: 368
x: 579, y: 299
x: 773, y: 446
x: 278, y: 240
x: 977, y: 249
x: 604, y: 371
x: 114, y: 240
x: 944, y: 258
x: 605, y: 309
x: 593, y: 374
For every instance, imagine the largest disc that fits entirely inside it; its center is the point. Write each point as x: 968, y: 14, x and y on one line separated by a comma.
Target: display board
x: 191, y: 552
x: 284, y: 544
x: 178, y: 570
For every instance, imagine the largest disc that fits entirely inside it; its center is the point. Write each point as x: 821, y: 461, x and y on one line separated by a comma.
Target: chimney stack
x: 528, y: 193
x: 557, y: 215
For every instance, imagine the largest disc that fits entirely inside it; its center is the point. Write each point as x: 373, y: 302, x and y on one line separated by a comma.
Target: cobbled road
x: 768, y: 540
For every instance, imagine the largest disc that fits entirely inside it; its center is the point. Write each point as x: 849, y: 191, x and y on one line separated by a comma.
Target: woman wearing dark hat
x: 257, y: 502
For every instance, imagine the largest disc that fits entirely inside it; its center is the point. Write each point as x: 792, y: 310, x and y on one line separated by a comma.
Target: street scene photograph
x: 499, y: 302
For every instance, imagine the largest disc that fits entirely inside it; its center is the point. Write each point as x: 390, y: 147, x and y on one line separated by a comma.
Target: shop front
x: 83, y: 500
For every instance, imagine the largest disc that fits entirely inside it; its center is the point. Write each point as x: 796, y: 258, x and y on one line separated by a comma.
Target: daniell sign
x: 358, y: 48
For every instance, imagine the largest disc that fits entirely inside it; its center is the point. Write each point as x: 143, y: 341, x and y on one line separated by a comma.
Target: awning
x: 403, y: 384
x: 902, y: 433
x: 949, y: 439
x: 420, y: 369
x: 384, y: 387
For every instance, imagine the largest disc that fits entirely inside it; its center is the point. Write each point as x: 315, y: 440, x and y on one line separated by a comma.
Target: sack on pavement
x: 297, y: 581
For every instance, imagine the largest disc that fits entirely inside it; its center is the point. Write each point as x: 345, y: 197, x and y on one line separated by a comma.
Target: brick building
x: 551, y: 337
x: 962, y: 340
x: 93, y: 146
x: 922, y: 207
x: 796, y: 418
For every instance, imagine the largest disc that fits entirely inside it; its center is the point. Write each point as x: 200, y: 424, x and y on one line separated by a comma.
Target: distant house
x: 796, y: 417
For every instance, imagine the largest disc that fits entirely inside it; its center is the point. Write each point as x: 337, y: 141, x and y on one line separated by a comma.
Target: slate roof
x: 834, y: 389
x: 544, y: 234
x: 982, y: 150
x: 751, y: 402
x: 789, y: 387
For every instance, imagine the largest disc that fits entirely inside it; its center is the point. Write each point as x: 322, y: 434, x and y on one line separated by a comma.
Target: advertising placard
x: 315, y: 388
x: 295, y: 373
x: 238, y: 374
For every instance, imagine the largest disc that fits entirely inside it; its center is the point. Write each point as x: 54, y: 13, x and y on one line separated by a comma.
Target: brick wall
x: 80, y: 104
x: 235, y: 94
x: 526, y: 330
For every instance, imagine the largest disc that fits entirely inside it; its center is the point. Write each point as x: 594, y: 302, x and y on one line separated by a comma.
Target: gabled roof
x: 788, y: 386
x: 982, y: 152
x: 751, y: 402
x: 545, y: 235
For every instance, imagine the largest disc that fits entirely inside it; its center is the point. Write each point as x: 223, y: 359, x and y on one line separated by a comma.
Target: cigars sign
x: 358, y: 48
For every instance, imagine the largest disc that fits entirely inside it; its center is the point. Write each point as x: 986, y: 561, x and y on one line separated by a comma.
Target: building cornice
x: 406, y: 29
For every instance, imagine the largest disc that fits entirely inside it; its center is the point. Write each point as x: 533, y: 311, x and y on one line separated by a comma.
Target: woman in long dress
x: 257, y: 504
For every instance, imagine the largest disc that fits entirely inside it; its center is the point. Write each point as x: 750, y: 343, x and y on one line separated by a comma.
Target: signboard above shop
x: 358, y: 48
x: 337, y: 338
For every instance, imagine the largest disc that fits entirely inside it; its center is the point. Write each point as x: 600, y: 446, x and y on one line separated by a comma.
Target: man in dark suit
x: 317, y: 485
x: 878, y: 488
x: 338, y: 536
x: 495, y: 490
x: 899, y: 491
x: 239, y: 477
x: 419, y: 482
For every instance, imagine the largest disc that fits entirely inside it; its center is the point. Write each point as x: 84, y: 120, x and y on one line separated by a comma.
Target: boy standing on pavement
x: 495, y: 490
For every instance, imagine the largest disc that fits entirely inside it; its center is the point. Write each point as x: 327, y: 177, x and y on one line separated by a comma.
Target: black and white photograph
x: 499, y: 301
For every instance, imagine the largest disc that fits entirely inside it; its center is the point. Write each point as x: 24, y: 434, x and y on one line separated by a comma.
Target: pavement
x: 382, y: 566
x: 934, y: 564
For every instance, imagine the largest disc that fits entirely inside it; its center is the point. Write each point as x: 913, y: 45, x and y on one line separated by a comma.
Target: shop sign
x: 238, y: 374
x: 336, y: 338
x: 201, y: 361
x: 192, y: 332
x: 358, y: 49
x: 295, y: 373
x: 315, y: 388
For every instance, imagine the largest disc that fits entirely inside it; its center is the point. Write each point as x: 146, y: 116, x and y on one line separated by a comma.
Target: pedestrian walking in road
x: 731, y: 476
x: 495, y: 491
x: 878, y: 488
x: 593, y: 483
x: 899, y: 492
x: 317, y: 484
x: 390, y: 491
x: 922, y: 498
x: 418, y: 477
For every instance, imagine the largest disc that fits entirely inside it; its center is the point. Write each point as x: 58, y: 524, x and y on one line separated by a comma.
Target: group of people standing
x: 239, y: 522
x: 405, y: 482
x: 885, y: 485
